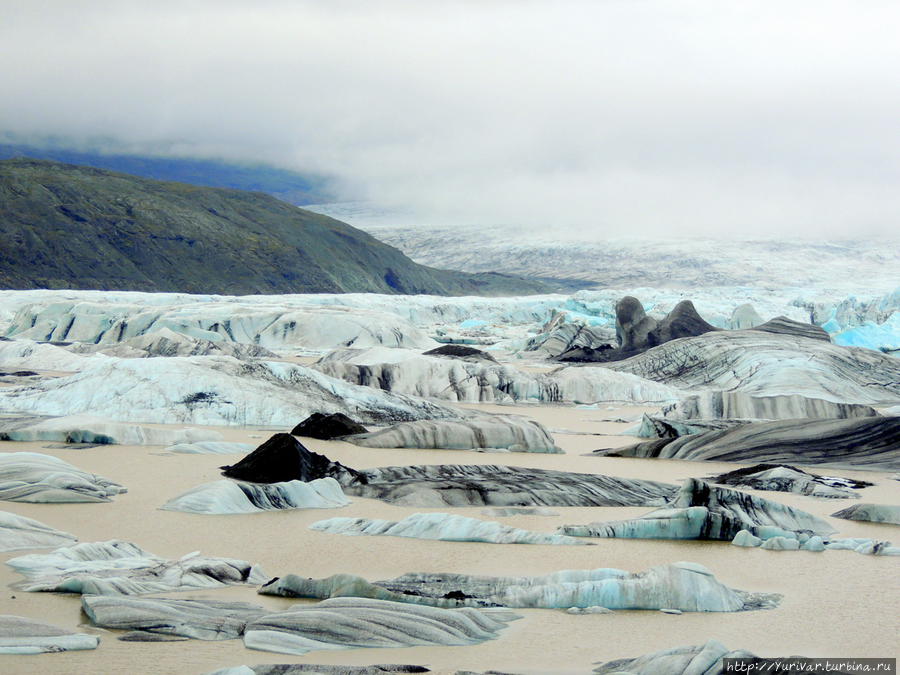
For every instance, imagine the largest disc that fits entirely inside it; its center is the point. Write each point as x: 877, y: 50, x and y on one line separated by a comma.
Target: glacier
x: 318, y: 322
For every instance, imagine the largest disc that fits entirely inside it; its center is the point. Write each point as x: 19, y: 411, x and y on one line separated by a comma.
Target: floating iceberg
x: 122, y: 568
x: 39, y: 478
x: 210, y: 390
x: 871, y: 443
x: 767, y: 364
x: 85, y: 428
x: 18, y: 532
x: 506, y: 432
x: 226, y: 496
x: 873, y: 513
x: 783, y: 478
x: 686, y: 586
x: 704, y: 511
x: 434, y: 377
x: 209, y: 448
x: 442, y: 527
x: 340, y: 623
x: 19, y: 635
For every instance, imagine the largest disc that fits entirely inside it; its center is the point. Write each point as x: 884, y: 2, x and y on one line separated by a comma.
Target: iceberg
x: 442, y: 527
x: 704, y: 511
x: 227, y: 497
x: 210, y: 390
x: 122, y: 568
x: 504, y: 432
x: 686, y: 586
x: 18, y: 532
x: 38, y: 478
x: 20, y: 635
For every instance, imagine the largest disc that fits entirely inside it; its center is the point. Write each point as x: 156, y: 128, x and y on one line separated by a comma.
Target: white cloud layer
x: 609, y: 117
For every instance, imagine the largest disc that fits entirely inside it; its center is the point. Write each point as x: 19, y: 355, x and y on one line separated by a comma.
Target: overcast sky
x: 605, y: 117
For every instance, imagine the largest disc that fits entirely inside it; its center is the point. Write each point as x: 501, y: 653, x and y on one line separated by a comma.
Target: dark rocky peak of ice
x: 283, y: 458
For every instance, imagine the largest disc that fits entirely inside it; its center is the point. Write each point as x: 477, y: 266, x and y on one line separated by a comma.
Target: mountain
x: 289, y: 186
x: 66, y: 226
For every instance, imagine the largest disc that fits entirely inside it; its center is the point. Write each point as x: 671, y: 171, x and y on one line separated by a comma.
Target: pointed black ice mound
x: 283, y: 458
x: 326, y: 427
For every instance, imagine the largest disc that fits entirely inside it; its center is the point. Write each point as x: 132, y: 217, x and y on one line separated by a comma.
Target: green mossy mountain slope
x: 67, y: 226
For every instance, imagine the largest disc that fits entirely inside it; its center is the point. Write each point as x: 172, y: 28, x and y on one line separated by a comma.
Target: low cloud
x: 596, y: 118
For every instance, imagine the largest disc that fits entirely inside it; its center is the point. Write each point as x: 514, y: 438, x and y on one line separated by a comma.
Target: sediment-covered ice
x: 21, y: 635
x: 35, y: 477
x: 783, y: 478
x: 198, y: 619
x: 284, y: 458
x: 705, y: 659
x: 340, y: 623
x: 209, y: 448
x: 714, y: 405
x: 320, y: 669
x: 406, y: 372
x: 30, y: 355
x: 442, y: 527
x: 210, y: 390
x: 506, y: 432
x: 873, y: 513
x: 18, y: 532
x: 165, y: 343
x: 327, y: 427
x: 496, y: 485
x: 322, y: 321
x: 122, y: 568
x: 871, y: 443
x: 227, y: 496
x: 767, y: 364
x: 704, y: 511
x: 273, y: 322
x: 343, y: 623
x: 86, y: 428
x: 509, y: 511
x: 686, y: 586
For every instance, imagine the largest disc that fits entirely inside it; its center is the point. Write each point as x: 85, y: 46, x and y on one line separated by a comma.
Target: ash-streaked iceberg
x: 442, y: 527
x: 873, y: 513
x: 90, y: 429
x: 21, y: 635
x: 228, y: 497
x: 411, y: 373
x: 483, y: 432
x: 686, y: 586
x: 704, y: 511
x: 122, y: 568
x: 769, y: 364
x: 18, y: 532
x: 39, y: 478
x: 343, y: 623
x: 211, y: 390
x: 871, y: 443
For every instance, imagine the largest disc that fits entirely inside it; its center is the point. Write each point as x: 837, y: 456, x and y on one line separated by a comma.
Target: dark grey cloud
x: 606, y: 117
